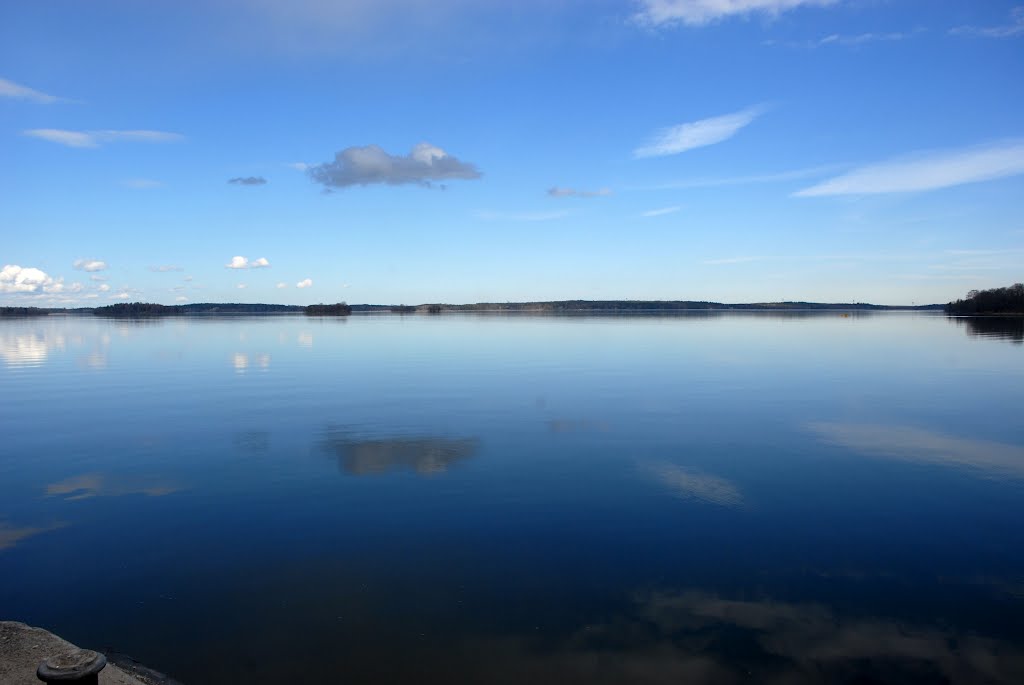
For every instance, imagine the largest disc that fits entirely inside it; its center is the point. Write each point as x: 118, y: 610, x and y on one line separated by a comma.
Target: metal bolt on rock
x: 74, y: 666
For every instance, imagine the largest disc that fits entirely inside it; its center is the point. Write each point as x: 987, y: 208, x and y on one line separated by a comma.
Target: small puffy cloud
x: 15, y: 279
x: 240, y: 262
x: 97, y: 277
x: 241, y: 286
x: 248, y: 181
x: 929, y: 171
x: 10, y: 89
x: 306, y: 283
x: 370, y: 164
x: 703, y: 12
x: 97, y: 138
x: 89, y: 265
x: 676, y: 139
x: 281, y: 285
x: 298, y: 166
x: 104, y: 287
x: 660, y: 212
x: 181, y: 298
x: 165, y: 268
x: 558, y: 191
x: 123, y: 295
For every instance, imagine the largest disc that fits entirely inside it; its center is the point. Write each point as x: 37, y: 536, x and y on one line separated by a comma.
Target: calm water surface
x: 489, y: 499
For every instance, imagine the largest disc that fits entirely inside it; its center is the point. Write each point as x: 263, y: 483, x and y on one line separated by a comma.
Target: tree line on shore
x: 1009, y: 300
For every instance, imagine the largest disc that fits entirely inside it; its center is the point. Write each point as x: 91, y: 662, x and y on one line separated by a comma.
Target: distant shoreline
x: 139, y: 310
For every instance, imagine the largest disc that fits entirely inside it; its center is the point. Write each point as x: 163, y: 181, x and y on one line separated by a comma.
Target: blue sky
x: 408, y: 151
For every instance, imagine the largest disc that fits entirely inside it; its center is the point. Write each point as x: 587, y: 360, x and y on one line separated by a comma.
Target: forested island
x: 1002, y: 301
x: 339, y: 309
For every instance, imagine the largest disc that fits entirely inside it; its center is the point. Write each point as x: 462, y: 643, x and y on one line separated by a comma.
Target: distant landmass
x: 148, y: 309
x: 1000, y: 301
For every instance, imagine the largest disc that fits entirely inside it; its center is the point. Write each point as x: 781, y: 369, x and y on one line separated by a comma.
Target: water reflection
x: 96, y: 485
x: 908, y: 443
x: 242, y: 361
x: 28, y: 349
x: 11, y: 535
x: 694, y: 485
x: 1009, y: 328
x: 426, y: 455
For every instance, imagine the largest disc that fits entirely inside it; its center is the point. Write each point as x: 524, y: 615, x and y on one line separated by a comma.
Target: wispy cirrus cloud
x: 559, y: 191
x: 370, y: 164
x: 703, y: 12
x: 93, y: 139
x: 16, y: 91
x: 660, y: 212
x: 849, y: 40
x: 248, y: 181
x: 1011, y: 30
x: 700, y: 133
x: 927, y: 171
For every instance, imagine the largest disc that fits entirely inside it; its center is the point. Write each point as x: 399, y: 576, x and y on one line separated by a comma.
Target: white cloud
x: 702, y: 12
x: 240, y: 262
x: 572, y: 192
x: 928, y: 171
x: 15, y: 279
x: 488, y: 215
x: 281, y: 285
x: 1015, y: 28
x: 141, y: 183
x: 661, y: 212
x: 241, y: 286
x: 370, y: 164
x: 123, y: 295
x: 298, y: 166
x: 676, y: 139
x: 778, y: 177
x: 89, y: 265
x: 10, y: 89
x: 181, y: 298
x: 304, y: 283
x: 104, y: 287
x: 97, y: 138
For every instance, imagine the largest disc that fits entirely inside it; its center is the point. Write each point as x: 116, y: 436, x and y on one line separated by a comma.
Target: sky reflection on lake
x: 717, y: 499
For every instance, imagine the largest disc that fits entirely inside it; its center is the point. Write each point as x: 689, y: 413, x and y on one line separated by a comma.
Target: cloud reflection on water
x: 907, y: 443
x: 698, y: 637
x: 11, y: 535
x: 695, y: 485
x: 96, y: 485
x: 426, y: 455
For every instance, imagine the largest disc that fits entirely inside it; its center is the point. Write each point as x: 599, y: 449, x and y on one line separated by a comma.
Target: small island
x: 338, y: 309
x: 996, y: 301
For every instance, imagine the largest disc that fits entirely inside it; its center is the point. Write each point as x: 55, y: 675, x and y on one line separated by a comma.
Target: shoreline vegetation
x: 148, y: 309
x: 996, y: 301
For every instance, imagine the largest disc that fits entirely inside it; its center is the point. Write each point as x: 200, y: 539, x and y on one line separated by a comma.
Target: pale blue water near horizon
x: 708, y: 498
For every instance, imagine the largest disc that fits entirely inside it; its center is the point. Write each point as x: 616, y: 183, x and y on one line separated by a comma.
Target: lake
x: 701, y: 498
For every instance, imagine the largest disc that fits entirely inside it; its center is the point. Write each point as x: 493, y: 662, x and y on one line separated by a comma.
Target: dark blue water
x: 510, y: 499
